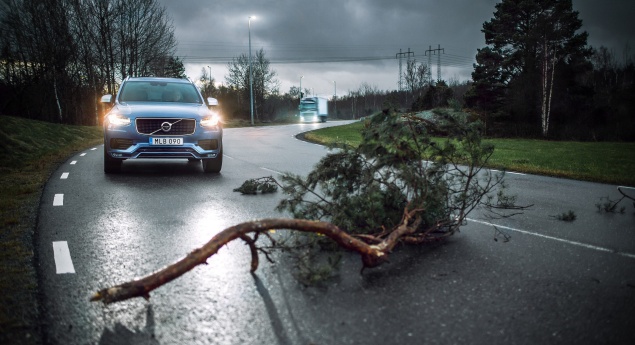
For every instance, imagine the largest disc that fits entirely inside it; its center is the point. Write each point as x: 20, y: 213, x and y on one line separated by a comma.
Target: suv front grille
x: 153, y: 126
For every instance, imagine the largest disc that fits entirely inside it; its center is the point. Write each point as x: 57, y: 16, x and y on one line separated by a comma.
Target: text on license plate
x: 166, y: 141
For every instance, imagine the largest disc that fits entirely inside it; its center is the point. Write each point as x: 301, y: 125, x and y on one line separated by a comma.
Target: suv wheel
x: 111, y: 165
x: 213, y: 165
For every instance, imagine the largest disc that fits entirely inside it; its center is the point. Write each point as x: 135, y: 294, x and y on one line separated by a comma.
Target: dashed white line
x: 93, y: 149
x: 509, y: 172
x: 73, y: 162
x: 83, y: 154
x: 64, y: 176
x: 58, y: 200
x: 62, y: 256
x: 273, y: 171
x: 575, y: 243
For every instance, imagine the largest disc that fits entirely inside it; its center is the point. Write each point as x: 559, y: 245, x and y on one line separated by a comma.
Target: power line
x: 280, y: 54
x: 449, y: 60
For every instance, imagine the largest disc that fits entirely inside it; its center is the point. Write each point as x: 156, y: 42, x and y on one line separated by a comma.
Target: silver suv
x: 161, y: 118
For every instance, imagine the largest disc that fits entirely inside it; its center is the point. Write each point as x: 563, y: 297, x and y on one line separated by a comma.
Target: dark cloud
x: 355, y: 41
x: 609, y: 23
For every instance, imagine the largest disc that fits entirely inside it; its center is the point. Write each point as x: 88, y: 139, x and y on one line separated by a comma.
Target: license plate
x: 166, y: 141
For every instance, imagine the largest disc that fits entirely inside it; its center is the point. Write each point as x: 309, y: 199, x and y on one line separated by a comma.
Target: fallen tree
x: 398, y: 186
x: 372, y: 255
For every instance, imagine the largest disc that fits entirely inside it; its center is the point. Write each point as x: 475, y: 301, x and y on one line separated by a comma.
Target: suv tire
x: 111, y: 165
x: 213, y: 165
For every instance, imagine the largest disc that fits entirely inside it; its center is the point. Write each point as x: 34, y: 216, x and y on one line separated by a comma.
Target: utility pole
x: 335, y: 97
x: 434, y: 51
x: 440, y: 50
x: 400, y: 56
x: 251, y: 79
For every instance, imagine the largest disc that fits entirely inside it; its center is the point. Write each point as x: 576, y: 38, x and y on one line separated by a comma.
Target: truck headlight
x: 118, y: 120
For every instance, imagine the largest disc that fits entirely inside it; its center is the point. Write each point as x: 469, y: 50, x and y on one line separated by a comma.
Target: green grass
x: 606, y: 162
x: 29, y: 152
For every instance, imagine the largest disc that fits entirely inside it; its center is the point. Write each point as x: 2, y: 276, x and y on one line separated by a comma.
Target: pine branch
x: 372, y: 256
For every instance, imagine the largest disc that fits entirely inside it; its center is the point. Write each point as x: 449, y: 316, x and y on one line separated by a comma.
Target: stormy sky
x: 350, y: 42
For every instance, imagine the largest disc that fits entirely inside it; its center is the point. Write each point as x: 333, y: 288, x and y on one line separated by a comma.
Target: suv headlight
x: 118, y: 120
x: 210, y: 121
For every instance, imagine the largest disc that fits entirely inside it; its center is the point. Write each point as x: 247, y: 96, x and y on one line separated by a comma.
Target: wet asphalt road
x: 553, y: 282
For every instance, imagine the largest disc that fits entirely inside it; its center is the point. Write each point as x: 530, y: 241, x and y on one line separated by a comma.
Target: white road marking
x: 63, y: 261
x: 58, y: 200
x: 509, y: 172
x: 73, y: 162
x: 64, y: 176
x: 93, y: 149
x: 273, y: 171
x: 83, y: 154
x: 575, y: 243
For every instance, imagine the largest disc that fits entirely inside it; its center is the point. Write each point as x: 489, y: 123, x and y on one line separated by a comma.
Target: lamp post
x: 209, y: 84
x: 301, y: 86
x: 335, y: 96
x: 251, y: 79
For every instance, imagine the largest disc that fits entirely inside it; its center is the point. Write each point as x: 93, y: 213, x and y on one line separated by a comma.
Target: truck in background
x: 313, y: 109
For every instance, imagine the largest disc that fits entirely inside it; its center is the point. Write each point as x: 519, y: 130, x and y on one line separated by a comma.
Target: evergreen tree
x: 528, y: 40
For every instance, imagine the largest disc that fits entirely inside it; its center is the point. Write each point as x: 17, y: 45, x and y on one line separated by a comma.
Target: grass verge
x: 29, y: 152
x: 605, y: 162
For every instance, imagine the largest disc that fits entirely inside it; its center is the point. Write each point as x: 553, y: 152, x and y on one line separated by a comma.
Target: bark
x: 548, y: 72
x: 57, y: 100
x: 371, y: 255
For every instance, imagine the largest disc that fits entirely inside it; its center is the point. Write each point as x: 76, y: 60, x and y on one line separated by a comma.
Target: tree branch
x: 372, y: 256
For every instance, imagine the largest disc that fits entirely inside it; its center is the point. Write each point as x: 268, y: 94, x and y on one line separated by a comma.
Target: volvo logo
x: 166, y: 126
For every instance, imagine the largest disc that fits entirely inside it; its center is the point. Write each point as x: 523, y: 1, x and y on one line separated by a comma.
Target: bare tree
x: 264, y: 78
x: 207, y: 83
x: 79, y: 50
x: 145, y: 34
x: 415, y: 77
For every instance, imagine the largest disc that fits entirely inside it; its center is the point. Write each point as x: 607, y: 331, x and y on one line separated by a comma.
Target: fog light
x: 208, y: 144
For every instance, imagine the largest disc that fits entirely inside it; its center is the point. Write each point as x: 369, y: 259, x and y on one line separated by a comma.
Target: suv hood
x: 134, y: 109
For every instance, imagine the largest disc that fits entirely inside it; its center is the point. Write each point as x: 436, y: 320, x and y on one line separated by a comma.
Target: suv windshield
x: 149, y: 91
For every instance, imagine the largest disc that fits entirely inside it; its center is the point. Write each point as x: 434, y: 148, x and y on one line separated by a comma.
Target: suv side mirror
x: 212, y: 101
x: 106, y: 98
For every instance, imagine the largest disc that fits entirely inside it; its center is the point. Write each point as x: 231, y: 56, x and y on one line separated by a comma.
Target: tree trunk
x: 57, y: 99
x: 548, y: 73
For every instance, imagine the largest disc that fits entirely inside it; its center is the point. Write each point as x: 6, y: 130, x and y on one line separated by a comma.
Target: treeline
x: 535, y: 78
x: 57, y: 57
x: 538, y: 78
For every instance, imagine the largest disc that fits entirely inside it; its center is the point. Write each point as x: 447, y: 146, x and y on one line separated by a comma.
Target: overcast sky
x: 350, y: 42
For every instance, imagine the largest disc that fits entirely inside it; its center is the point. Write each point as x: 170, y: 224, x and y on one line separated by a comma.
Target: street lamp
x: 251, y: 78
x: 301, y: 86
x: 335, y: 97
x: 209, y: 80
